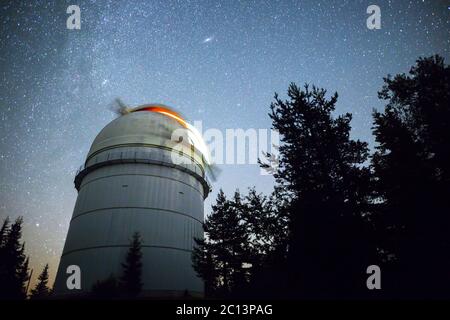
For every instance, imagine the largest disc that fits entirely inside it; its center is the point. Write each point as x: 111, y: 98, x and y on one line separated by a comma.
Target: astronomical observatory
x: 140, y: 175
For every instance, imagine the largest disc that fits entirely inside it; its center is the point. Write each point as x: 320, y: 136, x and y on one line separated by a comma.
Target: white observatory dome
x: 147, y: 128
x: 132, y: 181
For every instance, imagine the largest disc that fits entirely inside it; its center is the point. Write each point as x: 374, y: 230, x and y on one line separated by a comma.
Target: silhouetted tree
x: 4, y: 232
x: 205, y: 266
x: 23, y: 275
x: 235, y: 250
x: 106, y: 289
x: 412, y: 180
x: 218, y: 258
x: 240, y: 235
x: 320, y: 169
x: 266, y: 222
x: 130, y: 281
x: 41, y: 290
x: 13, y: 262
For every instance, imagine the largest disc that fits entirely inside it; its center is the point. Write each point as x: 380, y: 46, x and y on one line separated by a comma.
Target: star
x: 209, y: 39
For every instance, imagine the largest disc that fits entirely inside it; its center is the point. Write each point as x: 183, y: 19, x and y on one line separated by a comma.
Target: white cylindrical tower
x: 138, y: 178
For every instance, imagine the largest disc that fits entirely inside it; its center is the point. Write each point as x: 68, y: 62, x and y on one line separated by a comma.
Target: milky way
x: 218, y: 62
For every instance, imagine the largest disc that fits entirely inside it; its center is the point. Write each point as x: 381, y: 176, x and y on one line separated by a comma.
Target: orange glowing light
x: 165, y: 111
x: 194, y: 135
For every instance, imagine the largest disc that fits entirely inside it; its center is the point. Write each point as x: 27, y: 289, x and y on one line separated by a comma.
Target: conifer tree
x: 13, y: 264
x: 41, y: 290
x: 205, y: 266
x: 411, y: 169
x: 130, y: 281
x: 218, y: 259
x: 4, y: 232
x: 105, y: 289
x: 241, y: 235
x: 320, y: 168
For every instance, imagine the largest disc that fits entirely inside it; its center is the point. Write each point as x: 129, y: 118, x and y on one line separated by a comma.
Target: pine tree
x: 14, y: 263
x: 23, y: 275
x: 241, y: 235
x: 4, y: 232
x: 219, y: 258
x: 41, y: 291
x: 320, y: 168
x: 130, y: 281
x: 105, y: 289
x: 205, y: 266
x: 412, y: 179
x: 3, y: 239
x: 266, y: 223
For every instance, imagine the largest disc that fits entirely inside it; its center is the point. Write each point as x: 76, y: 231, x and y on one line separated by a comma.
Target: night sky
x: 218, y: 62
